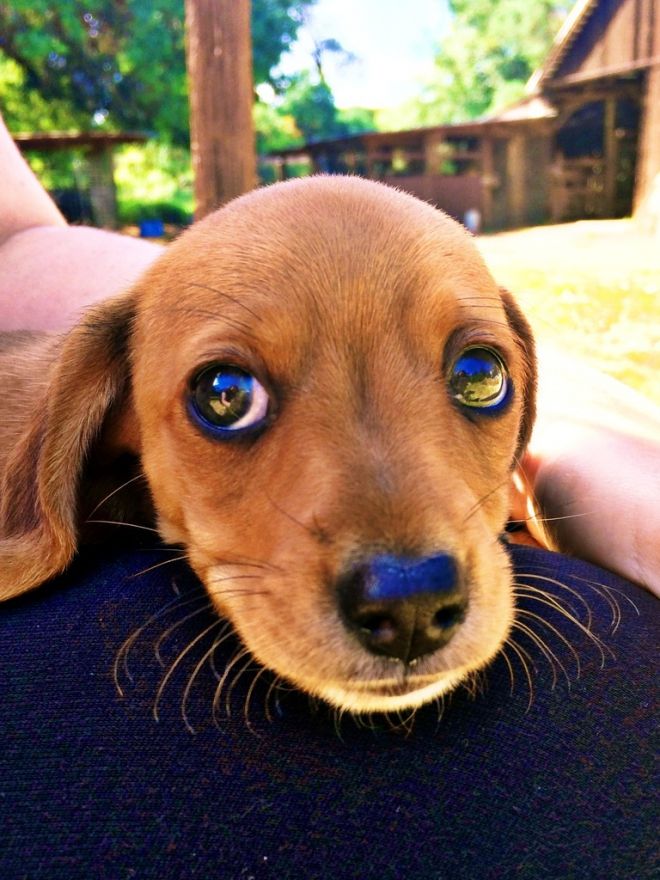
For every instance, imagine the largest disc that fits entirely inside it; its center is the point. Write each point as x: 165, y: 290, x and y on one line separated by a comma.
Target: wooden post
x: 488, y: 181
x: 611, y: 155
x: 647, y: 182
x: 102, y: 192
x: 432, y: 160
x: 515, y: 172
x: 219, y: 59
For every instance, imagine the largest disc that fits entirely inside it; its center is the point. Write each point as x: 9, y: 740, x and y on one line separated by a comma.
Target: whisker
x: 225, y: 636
x: 600, y: 645
x: 182, y: 558
x: 605, y: 593
x: 475, y: 507
x: 139, y: 476
x: 550, y: 656
x: 240, y: 655
x: 231, y: 321
x: 524, y: 659
x: 170, y: 672
x: 248, y: 562
x: 236, y: 577
x: 207, y: 654
x: 290, y: 516
x: 536, y: 591
x: 230, y: 689
x: 560, y: 636
x: 337, y: 717
x: 440, y: 705
x: 485, y: 304
x: 115, y: 522
x: 248, y: 698
x: 122, y: 655
x: 168, y: 632
x: 494, y: 323
x: 408, y: 723
x: 273, y: 690
x: 505, y: 657
x: 336, y: 722
x: 362, y: 720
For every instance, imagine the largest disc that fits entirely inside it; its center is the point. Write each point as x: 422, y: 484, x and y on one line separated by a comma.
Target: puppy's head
x: 330, y: 394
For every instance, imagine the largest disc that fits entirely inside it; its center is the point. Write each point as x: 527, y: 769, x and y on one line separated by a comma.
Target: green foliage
x: 275, y: 128
x: 132, y: 212
x: 154, y: 181
x: 275, y: 25
x: 357, y: 119
x: 484, y: 61
x: 312, y: 106
x: 309, y: 102
x: 76, y: 64
x: 306, y: 112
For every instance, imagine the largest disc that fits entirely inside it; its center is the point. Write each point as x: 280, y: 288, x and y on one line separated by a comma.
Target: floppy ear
x: 523, y: 333
x: 81, y: 411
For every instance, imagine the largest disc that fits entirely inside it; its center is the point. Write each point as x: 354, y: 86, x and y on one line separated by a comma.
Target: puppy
x: 327, y: 394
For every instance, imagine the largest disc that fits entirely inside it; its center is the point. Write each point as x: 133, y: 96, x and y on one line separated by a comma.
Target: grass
x: 591, y: 287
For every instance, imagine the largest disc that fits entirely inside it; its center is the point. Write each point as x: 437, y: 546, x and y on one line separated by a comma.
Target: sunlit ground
x: 592, y: 287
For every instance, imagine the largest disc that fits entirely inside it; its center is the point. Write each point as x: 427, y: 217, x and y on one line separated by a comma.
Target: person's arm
x: 50, y: 272
x: 23, y: 201
x: 594, y: 467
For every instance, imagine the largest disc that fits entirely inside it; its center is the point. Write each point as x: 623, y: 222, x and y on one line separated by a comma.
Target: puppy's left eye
x: 227, y: 399
x: 479, y: 379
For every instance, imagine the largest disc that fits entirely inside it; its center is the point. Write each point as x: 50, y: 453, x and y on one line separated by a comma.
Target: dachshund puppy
x: 326, y: 392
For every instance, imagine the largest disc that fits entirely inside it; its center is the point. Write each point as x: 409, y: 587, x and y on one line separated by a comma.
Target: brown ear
x: 86, y: 396
x: 523, y: 332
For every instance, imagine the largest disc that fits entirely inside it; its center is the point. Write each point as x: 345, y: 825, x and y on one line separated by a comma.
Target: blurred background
x: 536, y: 123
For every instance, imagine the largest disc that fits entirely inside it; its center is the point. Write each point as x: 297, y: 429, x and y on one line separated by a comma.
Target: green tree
x: 118, y: 64
x: 312, y: 106
x: 489, y: 53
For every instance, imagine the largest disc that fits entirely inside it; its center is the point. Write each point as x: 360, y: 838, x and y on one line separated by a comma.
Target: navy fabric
x: 503, y: 785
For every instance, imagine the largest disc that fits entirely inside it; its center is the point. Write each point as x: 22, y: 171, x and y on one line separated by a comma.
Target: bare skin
x: 49, y: 271
x: 594, y: 459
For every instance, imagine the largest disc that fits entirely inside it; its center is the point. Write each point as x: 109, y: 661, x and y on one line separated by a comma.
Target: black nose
x: 401, y: 607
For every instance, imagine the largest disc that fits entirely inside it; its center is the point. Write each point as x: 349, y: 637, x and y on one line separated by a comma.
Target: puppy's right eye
x: 227, y: 400
x: 479, y: 380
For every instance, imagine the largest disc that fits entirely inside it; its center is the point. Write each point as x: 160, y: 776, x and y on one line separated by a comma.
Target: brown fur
x: 346, y: 298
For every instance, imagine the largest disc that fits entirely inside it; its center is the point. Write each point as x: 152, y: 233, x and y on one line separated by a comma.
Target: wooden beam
x: 219, y: 59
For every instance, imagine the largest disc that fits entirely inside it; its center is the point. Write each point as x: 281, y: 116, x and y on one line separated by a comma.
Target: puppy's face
x: 330, y: 392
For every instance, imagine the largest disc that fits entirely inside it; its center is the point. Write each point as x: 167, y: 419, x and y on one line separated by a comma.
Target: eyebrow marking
x: 226, y: 296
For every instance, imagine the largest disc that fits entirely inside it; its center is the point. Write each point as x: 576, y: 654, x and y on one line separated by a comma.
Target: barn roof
x: 568, y: 33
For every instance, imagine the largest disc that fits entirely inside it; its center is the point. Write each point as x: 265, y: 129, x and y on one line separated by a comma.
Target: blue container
x: 152, y: 229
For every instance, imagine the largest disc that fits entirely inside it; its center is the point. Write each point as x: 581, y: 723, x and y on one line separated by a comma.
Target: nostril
x: 450, y: 616
x: 380, y: 629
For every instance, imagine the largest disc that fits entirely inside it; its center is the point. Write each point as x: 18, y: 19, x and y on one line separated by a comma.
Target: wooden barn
x: 583, y: 143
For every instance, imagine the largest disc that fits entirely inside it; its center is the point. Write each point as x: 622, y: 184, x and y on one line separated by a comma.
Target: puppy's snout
x: 403, y: 608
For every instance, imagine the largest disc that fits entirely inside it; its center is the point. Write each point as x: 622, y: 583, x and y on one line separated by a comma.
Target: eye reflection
x: 226, y: 399
x: 478, y: 379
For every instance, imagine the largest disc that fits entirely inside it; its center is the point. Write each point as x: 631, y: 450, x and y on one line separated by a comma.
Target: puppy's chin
x: 367, y: 697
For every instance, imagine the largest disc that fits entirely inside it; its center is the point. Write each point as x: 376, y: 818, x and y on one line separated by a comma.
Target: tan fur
x: 347, y: 298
